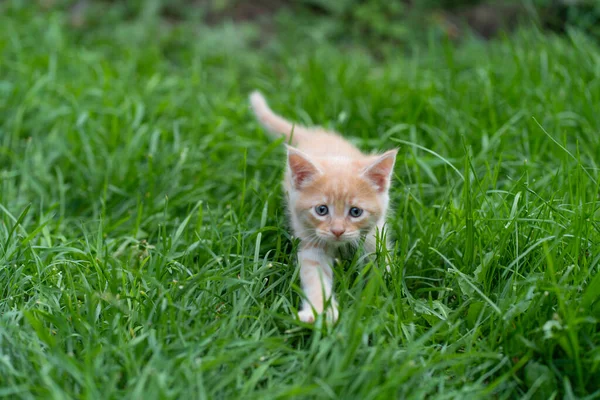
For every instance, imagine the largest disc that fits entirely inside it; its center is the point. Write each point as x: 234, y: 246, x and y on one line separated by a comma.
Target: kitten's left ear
x: 302, y: 169
x: 379, y: 172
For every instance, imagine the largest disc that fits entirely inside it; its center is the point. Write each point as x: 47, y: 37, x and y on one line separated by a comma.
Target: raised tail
x: 274, y: 123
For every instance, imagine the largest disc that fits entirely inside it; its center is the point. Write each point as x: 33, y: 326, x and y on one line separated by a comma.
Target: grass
x: 143, y: 244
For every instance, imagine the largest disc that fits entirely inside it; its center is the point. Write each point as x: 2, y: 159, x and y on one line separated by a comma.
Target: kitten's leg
x: 371, y: 244
x: 316, y: 276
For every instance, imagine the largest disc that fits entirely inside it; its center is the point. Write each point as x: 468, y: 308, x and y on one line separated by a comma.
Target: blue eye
x: 355, y: 212
x: 321, y: 210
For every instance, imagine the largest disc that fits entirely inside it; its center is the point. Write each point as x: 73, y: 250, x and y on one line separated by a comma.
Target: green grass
x: 143, y: 243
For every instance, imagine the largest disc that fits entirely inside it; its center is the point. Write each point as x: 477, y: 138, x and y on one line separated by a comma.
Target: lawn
x: 144, y: 251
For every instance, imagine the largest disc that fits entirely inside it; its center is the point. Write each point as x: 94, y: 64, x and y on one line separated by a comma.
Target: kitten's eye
x: 355, y: 212
x: 322, y: 209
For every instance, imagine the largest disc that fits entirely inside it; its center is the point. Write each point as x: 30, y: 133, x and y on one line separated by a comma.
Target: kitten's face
x: 338, y: 209
x: 338, y: 201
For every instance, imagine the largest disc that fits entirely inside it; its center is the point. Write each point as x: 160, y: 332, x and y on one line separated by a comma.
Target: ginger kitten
x: 336, y: 196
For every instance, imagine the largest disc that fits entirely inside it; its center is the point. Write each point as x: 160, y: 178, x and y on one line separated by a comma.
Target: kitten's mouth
x: 333, y: 239
x: 340, y: 240
x: 337, y: 240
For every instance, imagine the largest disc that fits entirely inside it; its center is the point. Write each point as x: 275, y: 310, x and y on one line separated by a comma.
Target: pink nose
x: 338, y: 231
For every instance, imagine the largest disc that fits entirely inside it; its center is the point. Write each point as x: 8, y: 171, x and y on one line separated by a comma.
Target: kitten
x: 336, y: 197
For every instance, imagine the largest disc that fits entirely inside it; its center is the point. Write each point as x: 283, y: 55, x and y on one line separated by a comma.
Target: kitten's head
x: 338, y: 200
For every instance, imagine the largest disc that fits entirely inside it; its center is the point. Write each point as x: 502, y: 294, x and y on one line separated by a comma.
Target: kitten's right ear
x: 379, y: 172
x: 302, y: 168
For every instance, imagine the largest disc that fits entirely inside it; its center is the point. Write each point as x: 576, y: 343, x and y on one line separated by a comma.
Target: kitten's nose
x: 338, y: 231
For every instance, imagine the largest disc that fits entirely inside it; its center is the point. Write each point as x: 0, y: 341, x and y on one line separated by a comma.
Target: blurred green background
x: 379, y: 23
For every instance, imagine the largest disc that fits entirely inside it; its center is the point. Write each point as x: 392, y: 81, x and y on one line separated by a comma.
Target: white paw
x: 306, y: 316
x: 388, y: 262
x: 388, y: 269
x: 332, y: 314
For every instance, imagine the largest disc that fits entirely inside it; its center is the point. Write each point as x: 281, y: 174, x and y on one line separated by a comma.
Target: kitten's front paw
x: 306, y: 316
x: 388, y: 263
x: 332, y: 314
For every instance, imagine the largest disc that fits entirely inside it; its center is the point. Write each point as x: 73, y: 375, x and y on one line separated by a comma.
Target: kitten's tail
x: 273, y: 122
